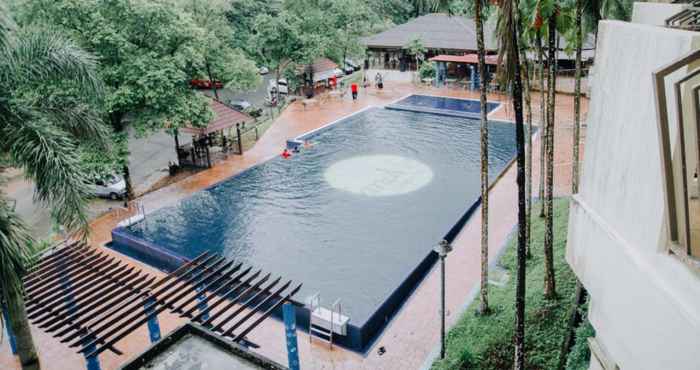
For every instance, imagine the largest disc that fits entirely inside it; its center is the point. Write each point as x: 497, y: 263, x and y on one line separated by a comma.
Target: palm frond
x: 37, y: 54
x: 14, y: 239
x: 49, y: 157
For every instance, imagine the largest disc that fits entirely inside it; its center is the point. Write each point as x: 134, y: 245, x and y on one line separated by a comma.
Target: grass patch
x: 486, y: 342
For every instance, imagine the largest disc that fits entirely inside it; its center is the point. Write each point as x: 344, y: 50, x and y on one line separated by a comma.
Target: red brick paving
x: 414, y: 332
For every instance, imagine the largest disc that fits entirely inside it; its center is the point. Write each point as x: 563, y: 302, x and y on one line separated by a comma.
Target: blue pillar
x: 10, y: 334
x: 472, y: 77
x: 290, y: 327
x: 93, y: 362
x: 153, y: 327
x: 202, y: 304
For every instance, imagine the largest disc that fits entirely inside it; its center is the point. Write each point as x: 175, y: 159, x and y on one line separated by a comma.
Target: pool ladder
x: 324, y: 322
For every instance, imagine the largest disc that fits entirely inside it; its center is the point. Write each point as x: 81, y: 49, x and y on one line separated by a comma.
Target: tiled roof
x: 436, y: 31
x: 224, y: 117
x: 319, y: 65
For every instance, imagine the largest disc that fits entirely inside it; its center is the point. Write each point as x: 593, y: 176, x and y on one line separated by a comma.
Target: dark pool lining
x: 359, y: 339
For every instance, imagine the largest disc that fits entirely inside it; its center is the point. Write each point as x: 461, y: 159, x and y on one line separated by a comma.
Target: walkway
x: 413, y: 333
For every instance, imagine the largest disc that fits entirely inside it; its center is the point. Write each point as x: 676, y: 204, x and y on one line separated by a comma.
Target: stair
x: 325, y: 323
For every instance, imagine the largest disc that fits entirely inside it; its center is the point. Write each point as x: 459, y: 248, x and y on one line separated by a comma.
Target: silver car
x: 112, y: 187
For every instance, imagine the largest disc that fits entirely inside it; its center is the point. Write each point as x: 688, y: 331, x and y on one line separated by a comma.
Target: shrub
x: 427, y: 70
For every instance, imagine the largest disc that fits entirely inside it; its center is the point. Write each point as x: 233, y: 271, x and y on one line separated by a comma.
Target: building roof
x: 465, y: 59
x: 323, y: 69
x: 436, y: 31
x: 440, y: 31
x: 224, y: 117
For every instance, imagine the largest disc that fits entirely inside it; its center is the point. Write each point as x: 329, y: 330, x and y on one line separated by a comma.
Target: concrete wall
x: 645, y: 303
x: 655, y: 13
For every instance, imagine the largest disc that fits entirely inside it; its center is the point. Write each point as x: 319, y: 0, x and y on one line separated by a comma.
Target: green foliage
x: 100, y: 162
x: 416, y: 49
x: 39, y: 131
x: 427, y: 70
x: 486, y: 342
x: 580, y: 355
x: 149, y: 50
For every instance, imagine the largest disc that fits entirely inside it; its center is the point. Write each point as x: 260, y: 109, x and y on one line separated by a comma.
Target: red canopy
x: 224, y: 117
x: 465, y: 59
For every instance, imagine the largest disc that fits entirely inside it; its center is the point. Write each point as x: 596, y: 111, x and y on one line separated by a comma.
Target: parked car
x: 263, y: 70
x: 281, y: 83
x: 348, y: 70
x: 351, y: 64
x: 112, y: 187
x: 206, y: 84
x: 240, y: 105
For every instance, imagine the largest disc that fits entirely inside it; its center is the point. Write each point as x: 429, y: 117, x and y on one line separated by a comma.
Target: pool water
x: 443, y: 105
x: 352, y: 215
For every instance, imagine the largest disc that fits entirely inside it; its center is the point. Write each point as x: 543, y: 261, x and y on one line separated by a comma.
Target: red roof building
x: 224, y: 117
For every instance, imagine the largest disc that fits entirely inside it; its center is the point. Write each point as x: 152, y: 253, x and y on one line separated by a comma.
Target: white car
x: 263, y: 70
x: 281, y: 83
x: 113, y: 187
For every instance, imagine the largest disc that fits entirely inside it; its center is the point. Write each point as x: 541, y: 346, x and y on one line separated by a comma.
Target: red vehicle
x: 206, y: 84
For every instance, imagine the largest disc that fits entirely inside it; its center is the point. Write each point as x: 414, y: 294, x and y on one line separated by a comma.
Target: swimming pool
x: 467, y: 108
x: 354, y: 216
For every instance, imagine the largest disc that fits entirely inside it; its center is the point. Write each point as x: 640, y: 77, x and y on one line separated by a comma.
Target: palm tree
x: 577, y: 97
x: 40, y: 136
x: 509, y: 55
x: 484, y: 140
x: 444, y: 5
x: 528, y: 146
x: 549, y: 286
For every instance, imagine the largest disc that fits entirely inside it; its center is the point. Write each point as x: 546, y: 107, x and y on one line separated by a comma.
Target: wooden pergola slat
x: 89, y: 299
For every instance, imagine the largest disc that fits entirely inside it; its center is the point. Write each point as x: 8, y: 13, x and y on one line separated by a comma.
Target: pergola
x: 463, y: 66
x: 91, y: 300
x: 215, y: 141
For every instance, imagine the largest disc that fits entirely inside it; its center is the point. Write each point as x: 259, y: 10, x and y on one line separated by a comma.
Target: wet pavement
x: 411, y: 337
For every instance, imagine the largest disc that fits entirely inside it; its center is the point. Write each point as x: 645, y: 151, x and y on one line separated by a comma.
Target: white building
x: 628, y: 239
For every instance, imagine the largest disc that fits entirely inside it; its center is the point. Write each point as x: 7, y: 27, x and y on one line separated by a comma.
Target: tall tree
x: 149, y: 51
x: 508, y: 33
x: 41, y: 137
x: 220, y: 59
x: 528, y: 143
x: 549, y: 283
x: 577, y: 97
x: 484, y: 144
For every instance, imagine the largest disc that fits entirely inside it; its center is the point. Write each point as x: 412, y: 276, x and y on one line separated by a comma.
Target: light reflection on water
x: 284, y: 217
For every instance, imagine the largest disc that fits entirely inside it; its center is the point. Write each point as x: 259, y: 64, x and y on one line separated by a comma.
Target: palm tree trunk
x: 484, y: 307
x: 543, y: 120
x: 577, y: 100
x: 549, y: 288
x: 528, y: 147
x: 23, y: 335
x: 519, y: 341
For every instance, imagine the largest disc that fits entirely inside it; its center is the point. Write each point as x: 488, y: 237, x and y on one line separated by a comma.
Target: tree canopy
x: 148, y: 51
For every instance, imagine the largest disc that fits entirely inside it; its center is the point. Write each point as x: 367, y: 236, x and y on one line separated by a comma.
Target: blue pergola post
x: 202, y: 304
x: 10, y: 333
x: 149, y: 305
x: 472, y: 77
x: 92, y: 362
x: 290, y: 327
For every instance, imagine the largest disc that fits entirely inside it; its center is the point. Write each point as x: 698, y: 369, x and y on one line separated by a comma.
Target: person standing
x: 353, y: 89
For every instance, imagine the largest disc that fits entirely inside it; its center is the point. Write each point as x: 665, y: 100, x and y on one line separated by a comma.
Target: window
x: 680, y: 154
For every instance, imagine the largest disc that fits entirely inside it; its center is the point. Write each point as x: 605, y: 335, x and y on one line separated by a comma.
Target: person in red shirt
x: 286, y: 154
x: 353, y: 89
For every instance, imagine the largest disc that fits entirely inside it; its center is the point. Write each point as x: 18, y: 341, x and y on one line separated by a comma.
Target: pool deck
x: 412, y: 336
